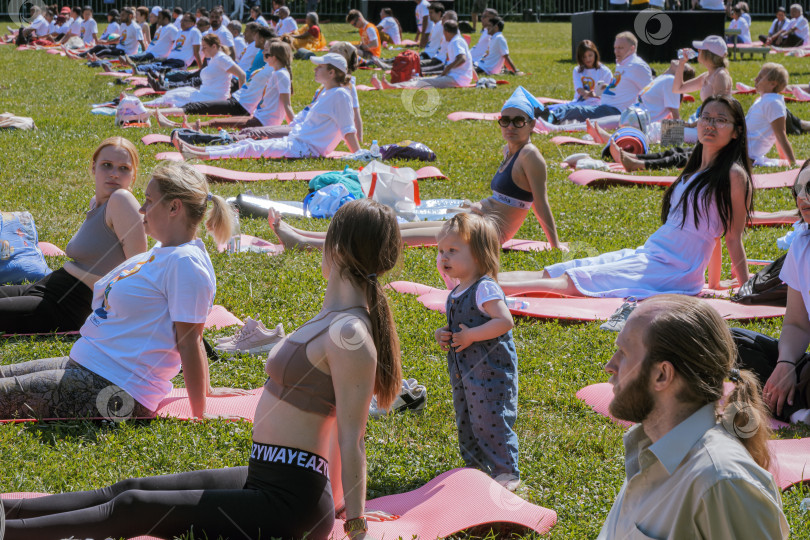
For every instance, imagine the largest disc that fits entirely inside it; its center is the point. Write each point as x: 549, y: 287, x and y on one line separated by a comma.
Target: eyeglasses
x: 717, y: 122
x: 517, y: 121
x: 802, y: 191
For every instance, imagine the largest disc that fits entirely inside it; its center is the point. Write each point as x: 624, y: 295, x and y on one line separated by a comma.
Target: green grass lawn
x: 571, y: 458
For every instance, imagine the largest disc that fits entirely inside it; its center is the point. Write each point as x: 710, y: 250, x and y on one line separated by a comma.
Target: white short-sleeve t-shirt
x: 164, y: 39
x: 286, y: 25
x: 802, y: 29
x: 216, y: 82
x: 252, y: 92
x: 744, y: 28
x: 390, y: 27
x: 713, y: 5
x: 112, y: 28
x: 177, y: 22
x: 629, y: 78
x: 587, y: 80
x: 794, y: 272
x: 183, y: 48
x: 131, y: 35
x: 422, y: 12
x: 129, y: 339
x: 225, y: 36
x: 486, y: 291
x: 239, y: 46
x: 493, y: 60
x: 262, y: 21
x: 766, y: 109
x: 89, y: 28
x: 433, y: 47
x: 330, y: 118
x: 463, y: 74
x: 480, y: 48
x: 245, y: 60
x: 657, y: 97
x: 270, y: 112
x: 76, y: 27
x: 40, y: 25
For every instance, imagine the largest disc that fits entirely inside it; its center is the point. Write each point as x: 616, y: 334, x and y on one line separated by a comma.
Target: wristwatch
x: 358, y: 524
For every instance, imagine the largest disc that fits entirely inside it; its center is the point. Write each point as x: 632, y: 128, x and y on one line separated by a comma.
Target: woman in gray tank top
x: 111, y: 233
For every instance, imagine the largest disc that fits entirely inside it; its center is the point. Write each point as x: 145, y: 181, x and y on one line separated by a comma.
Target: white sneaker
x: 508, y: 481
x: 412, y: 397
x: 620, y: 316
x: 249, y: 324
x: 254, y: 338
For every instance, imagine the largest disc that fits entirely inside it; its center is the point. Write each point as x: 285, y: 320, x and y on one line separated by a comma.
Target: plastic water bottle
x: 235, y: 243
x: 804, y: 506
x: 515, y: 303
x: 414, y: 74
x: 691, y: 54
x: 375, y: 149
x: 224, y: 134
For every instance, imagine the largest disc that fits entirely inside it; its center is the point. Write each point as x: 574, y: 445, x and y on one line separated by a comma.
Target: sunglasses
x: 266, y: 54
x: 517, y: 121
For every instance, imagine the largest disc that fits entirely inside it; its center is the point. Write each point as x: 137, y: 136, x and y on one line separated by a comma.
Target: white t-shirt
x: 40, y: 25
x: 422, y: 12
x: 802, y: 28
x: 239, y: 46
x: 216, y: 81
x: 112, y: 28
x: 177, y: 22
x: 162, y: 42
x: 330, y: 118
x: 245, y: 60
x: 713, y: 5
x: 794, y: 272
x: 587, y: 79
x: 657, y: 3
x: 270, y: 112
x: 131, y: 35
x: 657, y: 97
x: 183, y: 48
x: 493, y: 60
x: 129, y: 338
x: 225, y: 36
x: 285, y: 26
x: 262, y: 21
x: 251, y: 93
x: 389, y: 26
x: 486, y: 291
x: 76, y: 27
x: 463, y: 74
x: 629, y: 78
x: 89, y: 28
x: 761, y: 137
x: 480, y: 48
x: 747, y: 18
x: 433, y: 47
x: 744, y: 28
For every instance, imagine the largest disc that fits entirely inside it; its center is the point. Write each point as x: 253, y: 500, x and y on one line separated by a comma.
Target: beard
x: 635, y: 402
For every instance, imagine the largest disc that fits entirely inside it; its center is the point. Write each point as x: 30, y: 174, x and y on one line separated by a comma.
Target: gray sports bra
x: 95, y: 248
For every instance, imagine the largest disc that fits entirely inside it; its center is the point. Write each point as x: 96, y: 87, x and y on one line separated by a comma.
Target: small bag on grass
x: 20, y: 257
x: 391, y: 186
x: 672, y: 132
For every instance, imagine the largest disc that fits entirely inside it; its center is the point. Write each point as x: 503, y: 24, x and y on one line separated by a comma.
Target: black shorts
x: 228, y: 107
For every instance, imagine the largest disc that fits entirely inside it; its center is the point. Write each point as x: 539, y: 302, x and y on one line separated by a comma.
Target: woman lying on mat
x: 784, y: 364
x: 269, y: 117
x: 314, y: 405
x: 111, y: 233
x: 270, y: 85
x: 712, y: 197
x: 147, y: 323
x: 518, y: 186
x: 215, y: 76
x: 328, y: 122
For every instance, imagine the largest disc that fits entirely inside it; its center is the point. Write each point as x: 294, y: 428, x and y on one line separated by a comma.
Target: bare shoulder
x: 530, y: 156
x: 739, y: 177
x: 122, y: 198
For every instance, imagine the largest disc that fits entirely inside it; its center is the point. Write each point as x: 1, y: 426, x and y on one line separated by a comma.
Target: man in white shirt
x: 688, y: 475
x: 480, y: 48
x: 286, y: 24
x: 177, y: 17
x: 75, y: 28
x: 40, y: 26
x: 777, y: 25
x: 239, y: 44
x: 423, y: 23
x: 225, y: 36
x: 436, y: 33
x: 796, y: 33
x: 497, y: 55
x: 245, y: 59
x: 631, y: 75
x: 161, y: 44
x: 184, y: 50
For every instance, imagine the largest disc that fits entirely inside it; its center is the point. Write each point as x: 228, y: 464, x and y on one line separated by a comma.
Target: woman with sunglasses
x: 519, y: 185
x: 712, y: 197
x: 783, y: 364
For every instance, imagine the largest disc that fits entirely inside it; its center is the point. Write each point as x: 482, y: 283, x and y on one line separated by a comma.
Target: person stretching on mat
x: 712, y: 197
x: 329, y: 121
x: 147, y: 322
x: 518, y: 186
x: 314, y: 407
x: 783, y: 364
x: 111, y: 233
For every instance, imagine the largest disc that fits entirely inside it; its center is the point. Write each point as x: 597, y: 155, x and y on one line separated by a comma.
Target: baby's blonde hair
x: 482, y: 236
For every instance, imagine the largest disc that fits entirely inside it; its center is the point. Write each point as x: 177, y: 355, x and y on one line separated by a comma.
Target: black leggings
x: 57, y: 302
x: 229, y: 107
x: 672, y: 158
x: 262, y: 500
x: 105, y: 50
x: 759, y: 353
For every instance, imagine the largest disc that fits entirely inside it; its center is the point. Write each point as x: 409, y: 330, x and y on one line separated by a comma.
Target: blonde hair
x: 778, y: 74
x: 180, y: 180
x: 629, y: 37
x: 213, y: 39
x: 715, y: 59
x: 281, y: 51
x: 125, y: 144
x: 481, y: 235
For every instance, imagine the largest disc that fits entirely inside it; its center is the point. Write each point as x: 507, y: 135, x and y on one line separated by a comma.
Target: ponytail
x: 746, y: 417
x: 387, y: 380
x: 220, y: 220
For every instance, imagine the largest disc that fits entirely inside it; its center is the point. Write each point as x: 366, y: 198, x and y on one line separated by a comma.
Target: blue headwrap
x: 523, y: 100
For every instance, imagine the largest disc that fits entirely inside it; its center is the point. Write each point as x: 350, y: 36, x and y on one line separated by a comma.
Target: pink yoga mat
x: 452, y: 502
x: 516, y: 244
x: 255, y: 244
x: 562, y: 139
x: 577, y: 309
x: 177, y: 405
x: 366, y: 88
x: 141, y: 92
x: 118, y: 74
x: 771, y: 219
x: 50, y: 250
x: 176, y: 156
x: 228, y: 175
x: 602, y: 178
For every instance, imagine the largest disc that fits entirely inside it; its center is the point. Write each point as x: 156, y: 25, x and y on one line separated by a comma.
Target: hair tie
x: 209, y: 197
x: 372, y: 277
x: 734, y: 375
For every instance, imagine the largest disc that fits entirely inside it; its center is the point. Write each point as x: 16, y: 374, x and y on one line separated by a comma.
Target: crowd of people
x: 140, y: 312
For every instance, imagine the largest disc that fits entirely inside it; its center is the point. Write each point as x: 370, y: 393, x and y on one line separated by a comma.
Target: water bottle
x: 224, y: 135
x: 235, y: 243
x: 691, y: 54
x: 804, y: 506
x: 375, y: 149
x: 516, y: 303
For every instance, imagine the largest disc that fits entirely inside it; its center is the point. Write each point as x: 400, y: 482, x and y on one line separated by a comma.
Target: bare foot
x: 375, y: 82
x: 599, y: 135
x: 197, y: 125
x: 106, y: 67
x: 629, y: 162
x: 125, y: 61
x: 286, y: 234
x: 163, y: 121
x: 385, y: 84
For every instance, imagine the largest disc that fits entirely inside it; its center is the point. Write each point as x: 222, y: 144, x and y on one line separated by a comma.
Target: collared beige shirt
x: 697, y: 481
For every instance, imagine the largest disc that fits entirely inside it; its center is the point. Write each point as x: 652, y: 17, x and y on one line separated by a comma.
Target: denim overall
x: 484, y: 381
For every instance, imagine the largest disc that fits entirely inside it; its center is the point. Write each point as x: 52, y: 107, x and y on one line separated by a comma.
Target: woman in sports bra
x: 519, y: 185
x: 111, y: 233
x: 308, y: 428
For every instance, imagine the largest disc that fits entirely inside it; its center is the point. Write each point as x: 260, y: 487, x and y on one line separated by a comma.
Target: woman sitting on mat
x: 270, y: 84
x: 215, y: 77
x: 783, y: 365
x: 518, y: 186
x: 147, y: 323
x: 314, y: 405
x: 111, y: 233
x: 712, y: 197
x: 328, y: 122
x: 309, y: 36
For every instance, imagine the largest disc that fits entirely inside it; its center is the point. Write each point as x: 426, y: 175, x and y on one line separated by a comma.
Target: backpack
x: 131, y: 110
x: 405, y: 65
x: 20, y: 256
x: 326, y: 201
x: 764, y: 287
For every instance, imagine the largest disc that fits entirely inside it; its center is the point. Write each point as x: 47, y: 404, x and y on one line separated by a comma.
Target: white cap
x: 713, y: 44
x: 333, y: 59
x: 156, y: 10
